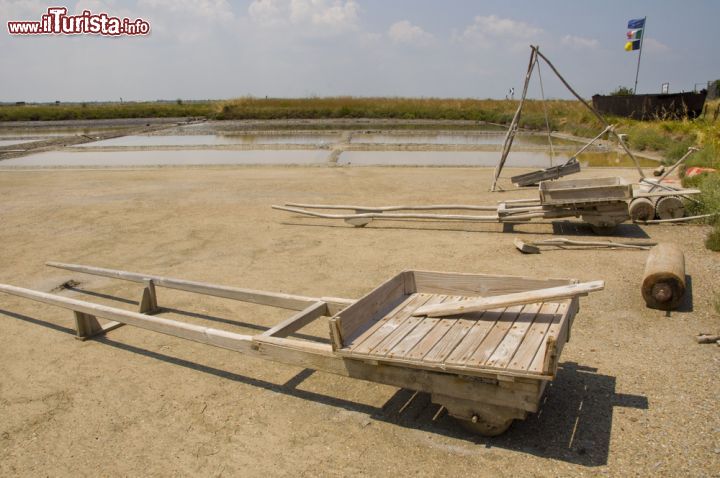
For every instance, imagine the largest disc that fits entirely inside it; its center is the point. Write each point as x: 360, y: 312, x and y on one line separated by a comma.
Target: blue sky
x: 299, y: 48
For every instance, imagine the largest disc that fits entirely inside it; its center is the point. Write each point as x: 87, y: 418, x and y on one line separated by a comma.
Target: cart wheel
x: 670, y: 207
x: 484, y: 427
x: 642, y: 209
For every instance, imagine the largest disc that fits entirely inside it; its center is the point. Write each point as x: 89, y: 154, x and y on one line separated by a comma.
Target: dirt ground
x: 635, y: 396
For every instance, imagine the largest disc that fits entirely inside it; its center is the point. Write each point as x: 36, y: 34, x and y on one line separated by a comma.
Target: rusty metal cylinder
x: 663, y: 285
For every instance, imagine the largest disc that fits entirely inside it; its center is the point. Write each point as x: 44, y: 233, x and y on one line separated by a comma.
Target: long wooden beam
x: 275, y: 299
x: 429, y: 207
x: 382, y: 215
x: 507, y: 300
x: 206, y: 335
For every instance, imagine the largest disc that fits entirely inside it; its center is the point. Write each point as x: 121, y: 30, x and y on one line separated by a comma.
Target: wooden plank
x: 454, y: 336
x: 148, y: 301
x: 520, y: 298
x: 377, y: 302
x: 535, y: 335
x: 389, y: 215
x: 377, y: 333
x: 484, y: 322
x: 563, y: 336
x: 274, y: 299
x: 409, y: 302
x: 404, y: 328
x: 429, y: 207
x: 555, y: 172
x: 551, y: 336
x: 584, y: 190
x: 298, y: 321
x: 421, y: 338
x: 494, y: 337
x: 206, y: 335
x: 483, y: 285
x: 86, y: 325
x: 508, y: 346
x: 440, y: 328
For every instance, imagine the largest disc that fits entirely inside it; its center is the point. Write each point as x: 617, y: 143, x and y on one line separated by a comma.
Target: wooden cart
x: 600, y: 202
x: 487, y: 363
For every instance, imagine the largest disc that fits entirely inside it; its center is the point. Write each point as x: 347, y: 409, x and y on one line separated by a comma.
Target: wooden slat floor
x: 512, y: 339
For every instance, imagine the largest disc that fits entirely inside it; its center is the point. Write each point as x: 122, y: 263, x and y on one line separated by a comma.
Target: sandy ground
x: 635, y: 395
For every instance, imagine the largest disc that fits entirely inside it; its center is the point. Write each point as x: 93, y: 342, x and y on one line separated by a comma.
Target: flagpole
x: 642, y: 38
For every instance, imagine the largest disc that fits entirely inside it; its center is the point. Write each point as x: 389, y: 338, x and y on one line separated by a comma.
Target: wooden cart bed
x: 521, y: 340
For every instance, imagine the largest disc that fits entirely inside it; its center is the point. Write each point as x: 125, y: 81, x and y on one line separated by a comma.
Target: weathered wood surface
x: 454, y: 283
x: 577, y: 191
x: 512, y: 340
x: 344, y: 326
x: 390, y: 215
x: 508, y: 300
x: 274, y: 299
x: 429, y: 207
x: 531, y: 247
x: 547, y: 174
x: 298, y: 321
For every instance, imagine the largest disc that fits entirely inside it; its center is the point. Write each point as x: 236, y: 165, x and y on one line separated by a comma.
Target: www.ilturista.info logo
x: 57, y: 22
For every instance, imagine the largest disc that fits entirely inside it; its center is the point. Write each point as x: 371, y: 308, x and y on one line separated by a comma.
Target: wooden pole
x: 594, y: 111
x: 690, y: 151
x: 507, y: 300
x: 637, y: 71
x: 381, y: 215
x: 513, y: 124
x: 275, y: 299
x: 430, y: 207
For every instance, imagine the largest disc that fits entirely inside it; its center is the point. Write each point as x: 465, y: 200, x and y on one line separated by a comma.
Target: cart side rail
x: 274, y: 299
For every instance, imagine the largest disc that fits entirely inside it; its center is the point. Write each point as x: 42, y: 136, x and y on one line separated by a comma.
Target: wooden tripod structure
x: 535, y: 54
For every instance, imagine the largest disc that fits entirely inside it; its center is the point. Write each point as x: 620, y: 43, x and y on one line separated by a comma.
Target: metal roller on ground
x: 663, y: 285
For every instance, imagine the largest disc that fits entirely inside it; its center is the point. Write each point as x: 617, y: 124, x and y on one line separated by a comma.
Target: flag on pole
x: 634, y: 36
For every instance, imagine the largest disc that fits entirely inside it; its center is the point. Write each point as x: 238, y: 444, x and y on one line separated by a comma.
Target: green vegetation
x: 91, y: 111
x: 622, y: 91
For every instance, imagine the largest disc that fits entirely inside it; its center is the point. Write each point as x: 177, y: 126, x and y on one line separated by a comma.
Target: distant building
x: 713, y: 89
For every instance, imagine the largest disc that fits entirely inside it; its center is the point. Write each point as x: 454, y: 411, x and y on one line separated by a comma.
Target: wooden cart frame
x: 600, y: 202
x: 487, y: 394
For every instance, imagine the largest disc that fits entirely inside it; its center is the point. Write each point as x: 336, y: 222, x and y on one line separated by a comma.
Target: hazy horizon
x: 217, y: 49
